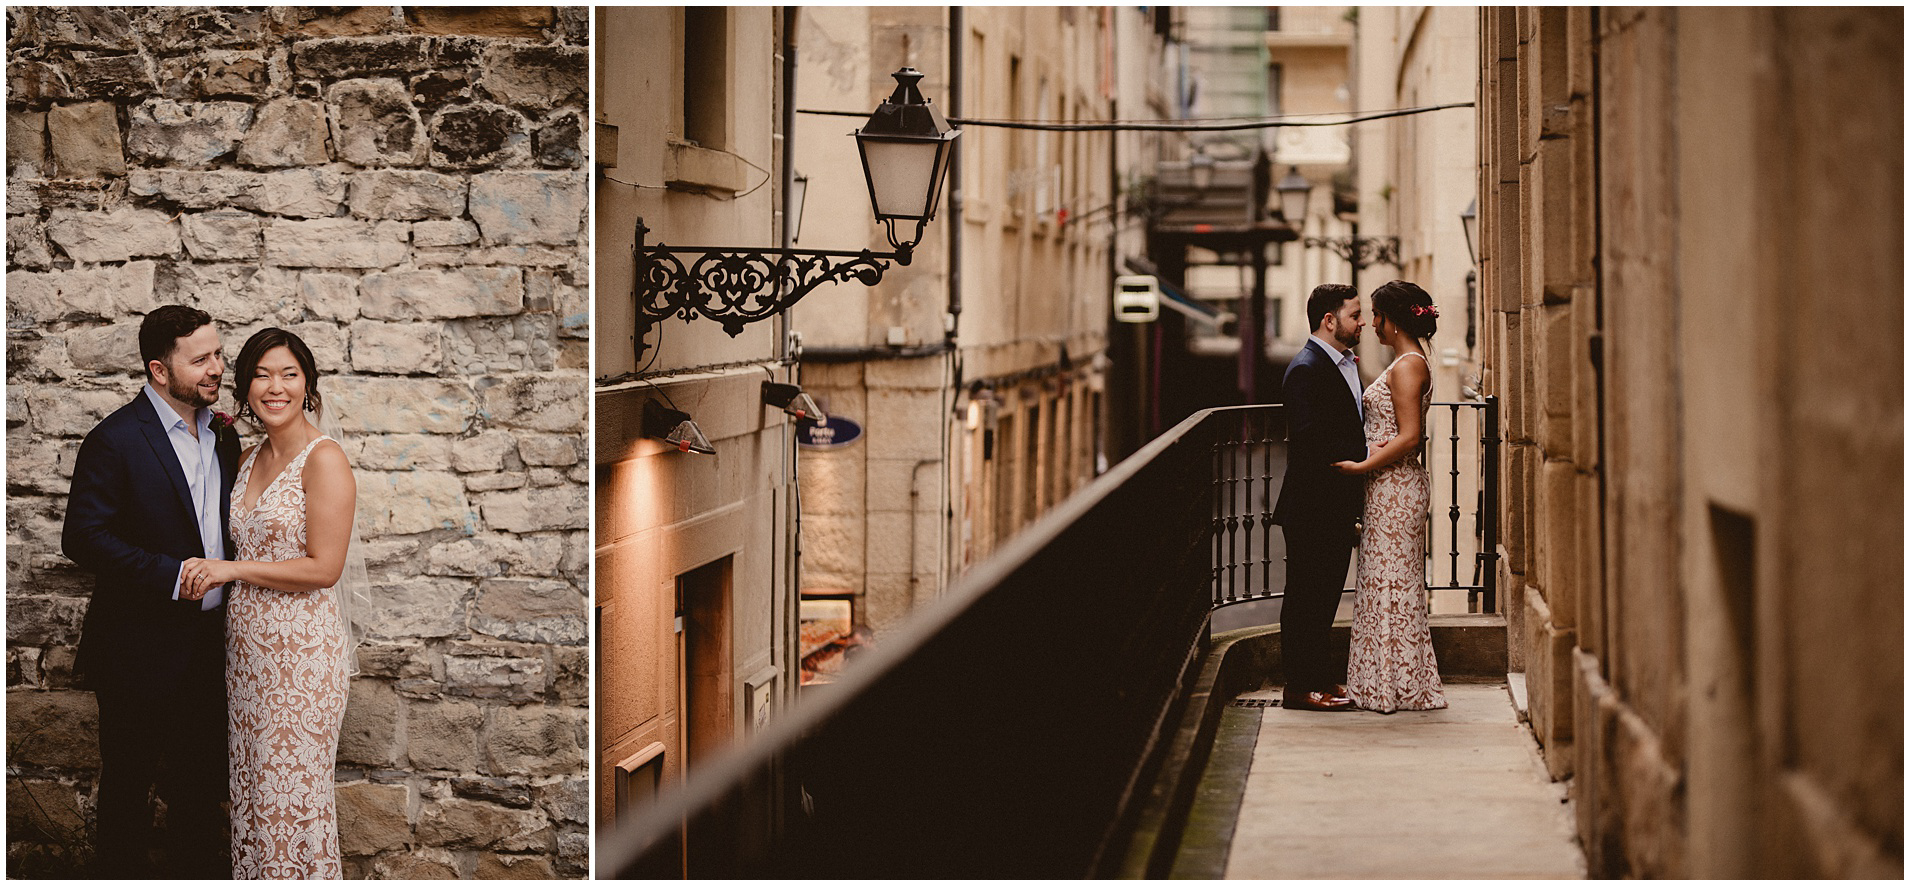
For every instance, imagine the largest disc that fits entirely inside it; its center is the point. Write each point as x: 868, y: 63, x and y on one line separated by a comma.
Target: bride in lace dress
x: 1390, y: 664
x: 287, y: 636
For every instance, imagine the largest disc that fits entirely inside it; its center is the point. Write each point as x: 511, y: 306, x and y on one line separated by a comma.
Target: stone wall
x: 404, y: 188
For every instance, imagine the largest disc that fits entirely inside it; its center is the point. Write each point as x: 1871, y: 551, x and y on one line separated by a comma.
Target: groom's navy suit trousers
x: 155, y: 664
x: 1318, y: 510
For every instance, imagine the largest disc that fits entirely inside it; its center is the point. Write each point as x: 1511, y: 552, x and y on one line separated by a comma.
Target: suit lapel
x: 1332, y: 362
x: 163, y: 453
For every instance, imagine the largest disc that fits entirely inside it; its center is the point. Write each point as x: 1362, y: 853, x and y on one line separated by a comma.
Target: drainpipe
x: 792, y: 495
x: 957, y: 39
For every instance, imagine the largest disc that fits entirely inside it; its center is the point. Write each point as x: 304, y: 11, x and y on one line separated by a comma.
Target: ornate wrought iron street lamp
x: 905, y: 148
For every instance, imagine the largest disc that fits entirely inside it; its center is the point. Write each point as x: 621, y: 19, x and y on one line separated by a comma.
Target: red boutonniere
x: 222, y: 421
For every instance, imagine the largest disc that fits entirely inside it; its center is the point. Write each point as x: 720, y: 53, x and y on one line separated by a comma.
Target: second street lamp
x: 905, y: 149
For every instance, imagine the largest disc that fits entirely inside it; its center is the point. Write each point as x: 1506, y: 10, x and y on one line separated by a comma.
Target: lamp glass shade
x: 1294, y: 189
x: 1470, y: 221
x: 687, y: 437
x: 905, y: 175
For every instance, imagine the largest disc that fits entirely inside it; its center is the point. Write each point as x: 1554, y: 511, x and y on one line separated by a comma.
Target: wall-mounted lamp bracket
x: 1360, y: 252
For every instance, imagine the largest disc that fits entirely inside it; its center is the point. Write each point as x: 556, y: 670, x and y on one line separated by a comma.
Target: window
x: 705, y: 75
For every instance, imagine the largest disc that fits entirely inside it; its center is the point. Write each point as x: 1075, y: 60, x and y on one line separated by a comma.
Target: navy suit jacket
x: 130, y: 522
x: 1323, y: 426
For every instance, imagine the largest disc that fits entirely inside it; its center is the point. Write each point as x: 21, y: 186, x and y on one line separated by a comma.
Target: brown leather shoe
x: 1317, y: 701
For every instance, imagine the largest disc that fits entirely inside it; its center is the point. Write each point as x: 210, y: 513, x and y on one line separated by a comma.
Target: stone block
x: 115, y: 235
x: 111, y: 348
x: 479, y: 134
x: 530, y: 611
x: 353, y: 57
x: 190, y: 134
x: 535, y: 76
x: 236, y: 294
x: 87, y: 27
x: 529, y: 207
x: 444, y: 736
x: 551, y: 450
x: 393, y: 660
x: 492, y: 866
x: 466, y: 292
x: 61, y: 412
x: 537, y: 740
x: 573, y: 853
x: 27, y: 144
x: 195, y: 189
x: 502, y: 791
x: 329, y: 296
x: 401, y: 452
x: 172, y: 29
x: 488, y: 451
x: 370, y: 736
x: 26, y: 243
x: 408, y: 195
x: 492, y: 345
x: 373, y: 818
x: 302, y: 193
x: 416, y: 609
x: 466, y: 823
x: 339, y: 21
x: 287, y: 132
x: 454, y: 232
x: 409, y: 502
x: 44, y: 620
x: 225, y: 235
x: 496, y: 554
x: 535, y: 510
x: 396, y: 348
x: 483, y: 21
x: 374, y: 124
x: 335, y: 243
x: 41, y: 465
x: 542, y: 402
x: 558, y: 142
x: 243, y: 75
x: 401, y: 406
x: 33, y: 83
x: 53, y: 730
x: 571, y: 685
x: 435, y: 89
x: 85, y: 141
x: 419, y: 864
x: 516, y: 680
x: 567, y: 801
x: 117, y: 78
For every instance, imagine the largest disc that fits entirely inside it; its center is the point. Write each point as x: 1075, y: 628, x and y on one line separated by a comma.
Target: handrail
x: 1045, y: 676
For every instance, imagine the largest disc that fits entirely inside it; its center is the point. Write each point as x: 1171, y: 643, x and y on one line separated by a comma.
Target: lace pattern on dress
x: 1390, y: 664
x: 286, y: 686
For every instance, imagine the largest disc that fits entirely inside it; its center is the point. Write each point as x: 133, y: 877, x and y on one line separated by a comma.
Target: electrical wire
x: 1214, y: 125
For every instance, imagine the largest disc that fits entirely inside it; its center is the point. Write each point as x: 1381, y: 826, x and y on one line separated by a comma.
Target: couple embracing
x: 216, y: 641
x: 1354, y: 476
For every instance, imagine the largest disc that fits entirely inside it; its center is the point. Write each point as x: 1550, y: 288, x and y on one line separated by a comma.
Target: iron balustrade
x: 1249, y: 460
x: 1015, y: 726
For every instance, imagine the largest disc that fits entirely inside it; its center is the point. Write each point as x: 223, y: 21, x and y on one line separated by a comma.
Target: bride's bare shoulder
x: 327, y: 459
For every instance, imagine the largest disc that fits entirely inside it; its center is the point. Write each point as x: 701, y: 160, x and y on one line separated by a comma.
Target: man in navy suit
x: 150, y: 488
x: 1319, y: 507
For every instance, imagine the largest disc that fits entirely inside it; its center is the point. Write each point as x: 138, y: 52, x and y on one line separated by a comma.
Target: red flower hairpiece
x: 1426, y: 311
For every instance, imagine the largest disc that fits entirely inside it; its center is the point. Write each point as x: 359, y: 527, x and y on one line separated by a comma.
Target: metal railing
x: 1249, y: 460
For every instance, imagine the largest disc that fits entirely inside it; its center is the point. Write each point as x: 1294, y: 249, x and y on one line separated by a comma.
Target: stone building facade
x: 696, y: 612
x: 403, y: 187
x: 979, y: 370
x: 1692, y: 268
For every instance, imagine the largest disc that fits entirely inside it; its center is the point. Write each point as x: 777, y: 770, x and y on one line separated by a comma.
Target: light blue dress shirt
x: 1349, y: 369
x: 199, y: 460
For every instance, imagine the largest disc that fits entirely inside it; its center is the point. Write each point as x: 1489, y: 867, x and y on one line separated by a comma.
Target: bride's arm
x: 1408, y: 380
x: 331, y: 493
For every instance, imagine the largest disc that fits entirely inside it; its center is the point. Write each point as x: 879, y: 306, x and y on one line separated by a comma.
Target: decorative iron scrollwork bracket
x: 1360, y: 252
x: 736, y: 287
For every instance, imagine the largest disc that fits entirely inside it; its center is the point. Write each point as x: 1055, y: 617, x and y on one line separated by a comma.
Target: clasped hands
x: 201, y: 575
x: 1356, y: 468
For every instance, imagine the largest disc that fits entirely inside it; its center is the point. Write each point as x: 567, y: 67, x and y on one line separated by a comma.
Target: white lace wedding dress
x: 286, y: 682
x: 1390, y: 664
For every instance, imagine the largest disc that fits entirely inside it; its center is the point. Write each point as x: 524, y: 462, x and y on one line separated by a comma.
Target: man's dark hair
x: 160, y: 332
x: 1326, y: 298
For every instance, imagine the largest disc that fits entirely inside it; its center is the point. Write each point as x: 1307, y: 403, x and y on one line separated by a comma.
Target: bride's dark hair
x: 1408, y: 307
x: 254, y: 350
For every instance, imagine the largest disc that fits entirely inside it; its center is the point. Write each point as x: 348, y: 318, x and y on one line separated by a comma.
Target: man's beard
x: 1344, y: 339
x: 190, y: 394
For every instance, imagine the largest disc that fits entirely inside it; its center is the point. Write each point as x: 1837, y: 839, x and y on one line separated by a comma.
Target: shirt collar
x: 201, y: 416
x: 1339, y: 354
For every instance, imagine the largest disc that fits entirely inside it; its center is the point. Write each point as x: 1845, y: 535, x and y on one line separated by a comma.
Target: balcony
x: 1055, y: 713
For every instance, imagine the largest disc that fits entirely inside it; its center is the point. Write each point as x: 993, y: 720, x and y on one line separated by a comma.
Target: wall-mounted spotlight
x: 674, y: 427
x: 791, y: 399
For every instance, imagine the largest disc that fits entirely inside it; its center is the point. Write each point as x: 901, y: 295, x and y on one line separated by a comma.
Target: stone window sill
x: 691, y: 165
